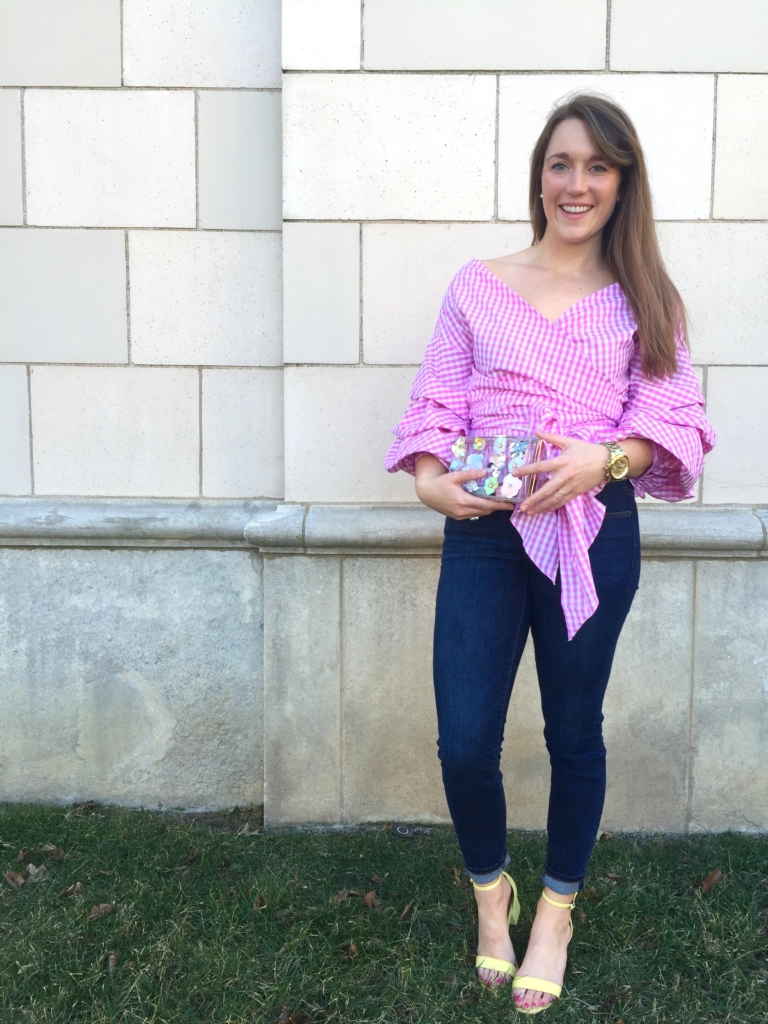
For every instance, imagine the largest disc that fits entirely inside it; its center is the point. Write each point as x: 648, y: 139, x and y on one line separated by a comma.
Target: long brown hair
x: 630, y: 245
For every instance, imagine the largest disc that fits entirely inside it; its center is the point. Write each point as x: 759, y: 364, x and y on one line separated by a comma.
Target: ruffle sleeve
x: 438, y: 412
x: 670, y: 414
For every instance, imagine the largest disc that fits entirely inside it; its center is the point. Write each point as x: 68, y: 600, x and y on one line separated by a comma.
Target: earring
x: 541, y: 196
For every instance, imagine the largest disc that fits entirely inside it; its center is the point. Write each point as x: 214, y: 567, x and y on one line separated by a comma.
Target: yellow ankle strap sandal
x: 523, y: 982
x: 504, y: 968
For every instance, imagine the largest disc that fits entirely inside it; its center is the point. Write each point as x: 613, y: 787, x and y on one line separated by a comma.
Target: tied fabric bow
x: 561, y: 539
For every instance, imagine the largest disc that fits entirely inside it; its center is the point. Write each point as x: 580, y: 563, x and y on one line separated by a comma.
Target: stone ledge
x: 105, y: 521
x: 272, y: 526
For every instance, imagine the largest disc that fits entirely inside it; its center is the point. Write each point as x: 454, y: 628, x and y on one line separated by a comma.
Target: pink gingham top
x: 495, y: 365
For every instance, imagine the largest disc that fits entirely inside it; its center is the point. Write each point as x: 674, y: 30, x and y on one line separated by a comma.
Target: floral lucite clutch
x: 498, y: 456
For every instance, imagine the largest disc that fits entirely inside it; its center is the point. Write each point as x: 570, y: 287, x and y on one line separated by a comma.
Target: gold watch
x: 617, y: 466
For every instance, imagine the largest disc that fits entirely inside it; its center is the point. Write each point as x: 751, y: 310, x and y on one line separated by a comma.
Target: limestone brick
x: 243, y: 433
x: 321, y: 37
x: 411, y: 147
x: 240, y: 154
x: 720, y: 271
x: 115, y: 430
x: 741, y: 152
x: 736, y: 404
x: 337, y: 423
x: 69, y: 42
x: 202, y: 43
x: 474, y: 35
x: 14, y: 429
x: 63, y: 296
x: 321, y: 290
x: 689, y: 35
x: 11, y: 202
x: 110, y: 158
x: 205, y: 298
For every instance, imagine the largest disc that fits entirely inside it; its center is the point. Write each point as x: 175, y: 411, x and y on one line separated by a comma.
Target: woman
x: 582, y: 339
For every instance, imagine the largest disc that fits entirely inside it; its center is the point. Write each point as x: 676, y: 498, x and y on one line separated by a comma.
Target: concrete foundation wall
x: 209, y: 654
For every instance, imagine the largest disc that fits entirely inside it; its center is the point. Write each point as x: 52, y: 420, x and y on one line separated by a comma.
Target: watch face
x: 620, y: 467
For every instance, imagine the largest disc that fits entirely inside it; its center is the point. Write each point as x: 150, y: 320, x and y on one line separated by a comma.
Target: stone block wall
x: 140, y: 248
x: 219, y: 268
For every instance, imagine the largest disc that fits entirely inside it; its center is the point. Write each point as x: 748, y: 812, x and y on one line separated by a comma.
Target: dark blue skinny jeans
x: 489, y: 596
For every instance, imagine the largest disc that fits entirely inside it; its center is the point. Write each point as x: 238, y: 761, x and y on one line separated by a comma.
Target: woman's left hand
x: 578, y: 468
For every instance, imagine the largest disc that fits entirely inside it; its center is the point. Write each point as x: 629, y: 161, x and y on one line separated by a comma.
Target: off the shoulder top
x: 495, y: 365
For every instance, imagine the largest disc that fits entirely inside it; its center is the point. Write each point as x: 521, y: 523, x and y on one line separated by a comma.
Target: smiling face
x: 580, y: 188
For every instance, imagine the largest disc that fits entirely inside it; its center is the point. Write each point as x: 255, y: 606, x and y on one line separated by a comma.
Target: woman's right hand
x: 442, y: 491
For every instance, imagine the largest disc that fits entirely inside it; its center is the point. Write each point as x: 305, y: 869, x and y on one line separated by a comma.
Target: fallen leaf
x: 192, y: 855
x: 343, y: 894
x: 101, y: 910
x: 286, y: 1017
x: 113, y: 957
x: 456, y: 876
x: 375, y: 879
x: 87, y: 808
x: 603, y: 836
x: 615, y: 878
x: 370, y: 899
x: 14, y: 879
x: 582, y: 918
x: 36, y: 874
x: 764, y: 883
x: 226, y: 863
x: 27, y: 856
x: 284, y: 948
x: 73, y: 890
x: 350, y: 950
x: 388, y: 826
x: 406, y: 912
x: 591, y: 895
x: 712, y: 879
x: 318, y: 1009
x: 257, y: 903
x: 123, y: 834
x: 451, y: 980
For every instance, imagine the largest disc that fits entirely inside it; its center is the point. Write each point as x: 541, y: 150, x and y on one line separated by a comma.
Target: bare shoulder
x: 520, y: 271
x: 524, y: 258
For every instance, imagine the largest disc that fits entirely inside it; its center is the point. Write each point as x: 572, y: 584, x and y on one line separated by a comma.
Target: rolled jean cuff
x: 484, y: 877
x: 564, y: 888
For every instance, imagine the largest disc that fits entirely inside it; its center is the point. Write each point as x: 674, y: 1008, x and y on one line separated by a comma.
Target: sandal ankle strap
x: 484, y: 886
x: 563, y: 906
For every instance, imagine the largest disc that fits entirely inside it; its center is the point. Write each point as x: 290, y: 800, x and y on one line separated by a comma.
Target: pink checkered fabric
x: 495, y: 365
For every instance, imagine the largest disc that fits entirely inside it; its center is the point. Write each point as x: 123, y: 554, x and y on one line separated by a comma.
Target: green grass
x: 191, y: 947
